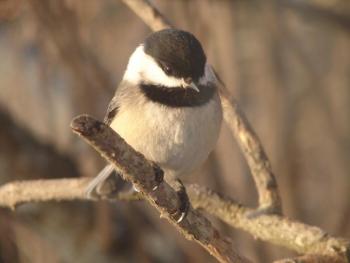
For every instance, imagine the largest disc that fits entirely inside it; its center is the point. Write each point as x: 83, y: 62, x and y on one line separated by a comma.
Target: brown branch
x: 148, y: 13
x: 19, y: 192
x: 145, y: 177
x: 275, y: 229
x: 33, y: 191
x: 254, y: 153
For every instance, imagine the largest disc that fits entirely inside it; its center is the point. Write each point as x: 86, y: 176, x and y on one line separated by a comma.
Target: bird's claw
x: 159, y: 176
x: 184, y: 203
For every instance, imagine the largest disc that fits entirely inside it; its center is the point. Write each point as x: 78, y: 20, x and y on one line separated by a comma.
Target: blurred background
x: 287, y: 62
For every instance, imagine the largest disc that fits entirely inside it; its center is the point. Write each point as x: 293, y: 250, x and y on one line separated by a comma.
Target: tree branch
x: 275, y: 229
x: 16, y: 193
x: 148, y: 13
x: 145, y: 176
x: 19, y: 192
x: 279, y: 230
x: 254, y: 153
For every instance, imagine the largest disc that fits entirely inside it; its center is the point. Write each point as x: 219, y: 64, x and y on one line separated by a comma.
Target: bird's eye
x: 167, y: 69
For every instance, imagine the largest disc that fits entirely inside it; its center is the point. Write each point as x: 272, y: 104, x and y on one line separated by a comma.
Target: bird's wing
x: 112, y: 110
x: 126, y: 93
x: 123, y: 91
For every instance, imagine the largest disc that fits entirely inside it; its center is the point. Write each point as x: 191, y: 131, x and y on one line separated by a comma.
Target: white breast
x: 178, y: 139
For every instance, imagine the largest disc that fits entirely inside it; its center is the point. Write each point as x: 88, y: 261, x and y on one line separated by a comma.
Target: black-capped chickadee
x: 167, y: 106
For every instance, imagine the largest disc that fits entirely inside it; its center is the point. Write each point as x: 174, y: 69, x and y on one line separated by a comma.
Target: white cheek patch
x: 143, y: 68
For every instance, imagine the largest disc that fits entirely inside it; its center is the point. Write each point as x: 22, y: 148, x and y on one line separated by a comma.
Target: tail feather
x: 92, y: 190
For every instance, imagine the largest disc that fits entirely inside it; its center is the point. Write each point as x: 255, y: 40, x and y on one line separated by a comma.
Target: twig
x: 16, y: 193
x: 19, y: 192
x: 269, y: 199
x: 254, y: 153
x: 145, y: 176
x: 148, y: 13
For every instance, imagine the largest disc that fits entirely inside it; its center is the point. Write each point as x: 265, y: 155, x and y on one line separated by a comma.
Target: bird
x: 167, y: 107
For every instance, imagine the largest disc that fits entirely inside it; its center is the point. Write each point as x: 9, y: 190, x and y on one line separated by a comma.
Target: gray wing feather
x: 112, y: 111
x: 113, y: 107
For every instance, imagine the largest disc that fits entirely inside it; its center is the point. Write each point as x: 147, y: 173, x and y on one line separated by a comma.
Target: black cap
x: 177, y: 52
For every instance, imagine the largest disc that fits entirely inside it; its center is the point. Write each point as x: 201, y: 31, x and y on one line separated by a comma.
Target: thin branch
x: 269, y: 199
x: 254, y: 153
x: 19, y: 192
x: 148, y: 13
x: 279, y: 230
x: 145, y: 176
x: 16, y: 193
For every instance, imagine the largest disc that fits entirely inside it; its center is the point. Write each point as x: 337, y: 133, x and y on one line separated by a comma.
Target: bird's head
x: 170, y: 58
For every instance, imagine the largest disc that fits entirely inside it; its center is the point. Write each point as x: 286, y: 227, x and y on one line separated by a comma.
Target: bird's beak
x: 189, y: 84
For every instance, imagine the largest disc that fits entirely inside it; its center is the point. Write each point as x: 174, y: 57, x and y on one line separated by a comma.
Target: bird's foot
x: 183, y: 200
x: 159, y: 176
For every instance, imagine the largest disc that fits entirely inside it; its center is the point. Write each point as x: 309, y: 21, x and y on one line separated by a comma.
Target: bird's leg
x: 183, y: 199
